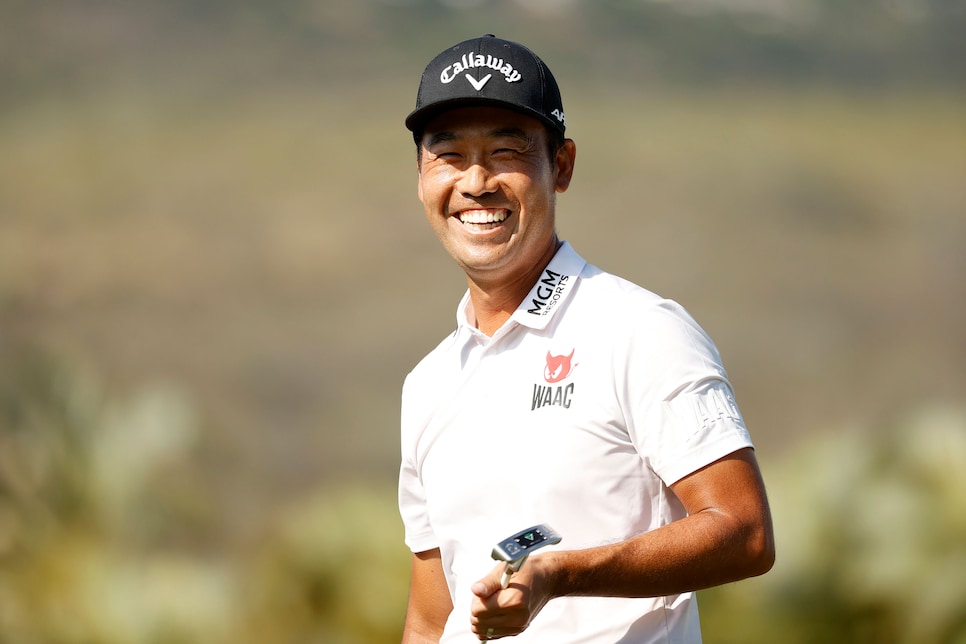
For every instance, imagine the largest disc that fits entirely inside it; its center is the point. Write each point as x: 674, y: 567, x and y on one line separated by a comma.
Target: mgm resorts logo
x: 548, y: 292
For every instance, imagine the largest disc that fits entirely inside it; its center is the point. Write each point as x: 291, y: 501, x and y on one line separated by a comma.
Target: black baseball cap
x: 488, y: 71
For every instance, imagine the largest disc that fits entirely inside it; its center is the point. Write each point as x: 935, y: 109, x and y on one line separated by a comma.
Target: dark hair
x: 555, y: 141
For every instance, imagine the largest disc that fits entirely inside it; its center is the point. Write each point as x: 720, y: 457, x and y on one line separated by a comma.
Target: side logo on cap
x: 473, y: 60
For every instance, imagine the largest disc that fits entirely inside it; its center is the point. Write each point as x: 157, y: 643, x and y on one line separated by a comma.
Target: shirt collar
x: 552, y: 289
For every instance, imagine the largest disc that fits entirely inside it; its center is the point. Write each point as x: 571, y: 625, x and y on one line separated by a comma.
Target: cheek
x: 424, y: 189
x: 538, y: 196
x: 432, y: 188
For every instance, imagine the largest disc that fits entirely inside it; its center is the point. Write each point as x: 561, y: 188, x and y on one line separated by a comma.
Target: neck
x: 494, y: 301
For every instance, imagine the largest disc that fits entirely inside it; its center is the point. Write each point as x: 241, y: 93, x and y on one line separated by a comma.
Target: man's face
x: 488, y: 188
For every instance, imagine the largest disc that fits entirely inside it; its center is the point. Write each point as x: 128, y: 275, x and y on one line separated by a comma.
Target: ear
x: 564, y: 165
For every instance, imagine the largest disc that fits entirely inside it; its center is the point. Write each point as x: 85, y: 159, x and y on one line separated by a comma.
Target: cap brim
x: 417, y: 119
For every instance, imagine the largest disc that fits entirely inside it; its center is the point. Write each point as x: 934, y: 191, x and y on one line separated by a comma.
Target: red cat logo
x: 558, y: 367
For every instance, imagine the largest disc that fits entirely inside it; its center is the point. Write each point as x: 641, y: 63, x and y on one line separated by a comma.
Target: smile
x: 483, y: 219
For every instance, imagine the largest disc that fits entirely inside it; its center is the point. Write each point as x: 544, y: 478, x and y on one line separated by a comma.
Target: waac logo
x: 558, y: 368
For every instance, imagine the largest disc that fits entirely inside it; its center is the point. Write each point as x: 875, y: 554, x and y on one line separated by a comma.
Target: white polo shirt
x: 578, y: 412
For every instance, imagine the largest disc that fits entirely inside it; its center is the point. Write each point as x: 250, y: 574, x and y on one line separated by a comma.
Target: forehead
x: 483, y: 121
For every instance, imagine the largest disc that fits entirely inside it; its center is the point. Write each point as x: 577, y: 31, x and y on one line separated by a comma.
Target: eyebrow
x: 440, y: 137
x: 512, y: 132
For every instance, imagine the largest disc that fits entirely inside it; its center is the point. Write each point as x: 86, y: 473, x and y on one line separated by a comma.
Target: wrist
x: 551, y: 570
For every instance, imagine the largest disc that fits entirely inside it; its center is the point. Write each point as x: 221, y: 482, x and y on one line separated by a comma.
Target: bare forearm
x: 429, y: 600
x: 412, y: 636
x: 726, y: 536
x: 700, y: 551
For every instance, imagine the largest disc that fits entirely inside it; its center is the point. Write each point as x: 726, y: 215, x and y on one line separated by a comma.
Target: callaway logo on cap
x: 488, y: 71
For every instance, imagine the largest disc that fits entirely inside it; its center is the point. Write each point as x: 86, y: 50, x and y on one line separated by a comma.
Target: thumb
x: 489, y: 584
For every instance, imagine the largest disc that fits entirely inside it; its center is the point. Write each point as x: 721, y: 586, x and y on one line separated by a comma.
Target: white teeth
x: 482, y: 216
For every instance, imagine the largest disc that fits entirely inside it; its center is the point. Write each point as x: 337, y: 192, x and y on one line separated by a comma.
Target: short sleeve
x: 696, y: 428
x: 412, y: 506
x: 682, y: 412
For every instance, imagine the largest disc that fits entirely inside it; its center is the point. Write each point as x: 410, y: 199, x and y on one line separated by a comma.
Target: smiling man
x: 565, y: 396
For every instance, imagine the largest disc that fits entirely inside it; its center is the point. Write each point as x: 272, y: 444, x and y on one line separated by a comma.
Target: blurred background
x: 215, y: 273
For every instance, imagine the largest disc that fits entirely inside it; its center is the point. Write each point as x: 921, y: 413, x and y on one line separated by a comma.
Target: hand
x: 500, y: 612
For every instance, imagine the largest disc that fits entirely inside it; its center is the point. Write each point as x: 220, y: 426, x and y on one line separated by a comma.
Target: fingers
x: 497, y: 612
x: 495, y: 632
x: 490, y: 584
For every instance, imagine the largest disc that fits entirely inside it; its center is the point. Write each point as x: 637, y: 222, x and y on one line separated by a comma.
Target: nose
x: 476, y: 180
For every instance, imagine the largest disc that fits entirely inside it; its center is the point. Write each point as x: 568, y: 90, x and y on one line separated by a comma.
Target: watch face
x: 530, y: 539
x: 517, y: 547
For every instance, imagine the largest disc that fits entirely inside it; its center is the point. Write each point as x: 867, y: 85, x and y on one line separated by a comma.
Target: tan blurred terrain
x: 269, y: 255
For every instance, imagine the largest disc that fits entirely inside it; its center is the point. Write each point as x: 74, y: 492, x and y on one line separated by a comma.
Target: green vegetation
x: 107, y: 536
x: 871, y: 531
x: 214, y: 275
